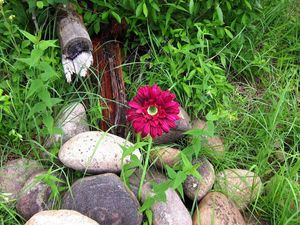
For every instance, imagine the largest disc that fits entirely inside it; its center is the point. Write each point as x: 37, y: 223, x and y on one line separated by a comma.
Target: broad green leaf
x: 116, y: 16
x: 139, y: 10
x: 145, y: 9
x: 30, y: 37
x: 191, y: 7
x: 44, y: 44
x: 220, y: 14
x: 35, y: 86
x: 38, y: 107
x: 97, y: 26
x: 228, y: 32
x: 40, y: 4
x: 48, y: 122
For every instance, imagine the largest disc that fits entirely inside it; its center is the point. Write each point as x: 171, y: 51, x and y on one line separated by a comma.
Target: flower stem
x: 145, y: 168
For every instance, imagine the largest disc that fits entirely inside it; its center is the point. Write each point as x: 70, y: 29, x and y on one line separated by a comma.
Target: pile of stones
x: 100, y: 196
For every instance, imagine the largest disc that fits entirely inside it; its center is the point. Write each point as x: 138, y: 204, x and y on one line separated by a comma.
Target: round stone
x: 182, y: 125
x: 34, y: 196
x: 95, y: 152
x: 165, y: 156
x: 215, y: 208
x: 105, y: 199
x: 195, y: 188
x: 170, y: 212
x: 72, y: 121
x: 14, y: 174
x: 241, y: 186
x: 60, y: 217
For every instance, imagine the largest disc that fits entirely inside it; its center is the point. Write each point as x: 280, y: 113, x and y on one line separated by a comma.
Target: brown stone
x: 216, y: 209
x: 165, y: 156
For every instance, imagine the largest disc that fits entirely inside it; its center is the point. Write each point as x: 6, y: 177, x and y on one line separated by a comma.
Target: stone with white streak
x: 95, y: 152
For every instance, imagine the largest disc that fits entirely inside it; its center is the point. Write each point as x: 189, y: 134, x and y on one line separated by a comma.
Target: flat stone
x: 195, y: 188
x: 171, y: 212
x: 14, y: 174
x: 34, y: 196
x: 105, y: 199
x: 241, y: 186
x: 95, y: 152
x: 60, y: 217
x: 165, y: 156
x: 216, y: 209
x: 72, y: 121
x: 182, y: 125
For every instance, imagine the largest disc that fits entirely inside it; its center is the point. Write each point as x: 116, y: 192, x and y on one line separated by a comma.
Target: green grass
x: 251, y: 84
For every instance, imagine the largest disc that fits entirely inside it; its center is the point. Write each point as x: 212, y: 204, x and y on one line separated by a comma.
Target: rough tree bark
x: 107, y: 61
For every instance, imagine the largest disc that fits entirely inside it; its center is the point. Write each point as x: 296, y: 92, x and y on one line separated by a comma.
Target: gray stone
x: 170, y: 212
x: 72, y: 121
x: 34, y: 196
x: 152, y: 175
x: 195, y: 188
x: 95, y: 152
x: 14, y: 174
x: 215, y: 208
x: 105, y: 199
x: 182, y: 125
x: 60, y: 217
x: 165, y: 156
x: 241, y: 186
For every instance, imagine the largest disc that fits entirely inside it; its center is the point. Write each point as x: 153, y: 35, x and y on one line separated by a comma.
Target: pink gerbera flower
x: 153, y: 111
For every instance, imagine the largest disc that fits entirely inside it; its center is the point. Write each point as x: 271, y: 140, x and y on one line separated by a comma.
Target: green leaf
x: 248, y: 4
x: 116, y: 16
x: 187, y: 89
x: 49, y: 122
x: 43, y: 45
x: 30, y: 37
x: 145, y: 9
x: 180, y: 178
x: 139, y: 9
x: 171, y: 173
x: 97, y: 26
x: 228, y: 32
x: 220, y: 14
x: 35, y: 86
x: 40, y: 4
x: 38, y: 107
x: 149, y: 215
x: 191, y: 7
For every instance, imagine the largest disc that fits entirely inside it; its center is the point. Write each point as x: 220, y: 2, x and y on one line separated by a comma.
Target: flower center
x: 152, y: 110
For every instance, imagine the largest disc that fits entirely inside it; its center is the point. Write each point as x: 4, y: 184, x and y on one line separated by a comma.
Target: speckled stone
x: 60, y: 217
x: 170, y: 212
x: 182, y: 125
x: 14, y: 174
x: 72, y: 120
x: 241, y: 186
x: 34, y: 196
x: 216, y: 209
x: 165, y: 156
x: 96, y: 152
x: 105, y: 199
x: 195, y: 188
